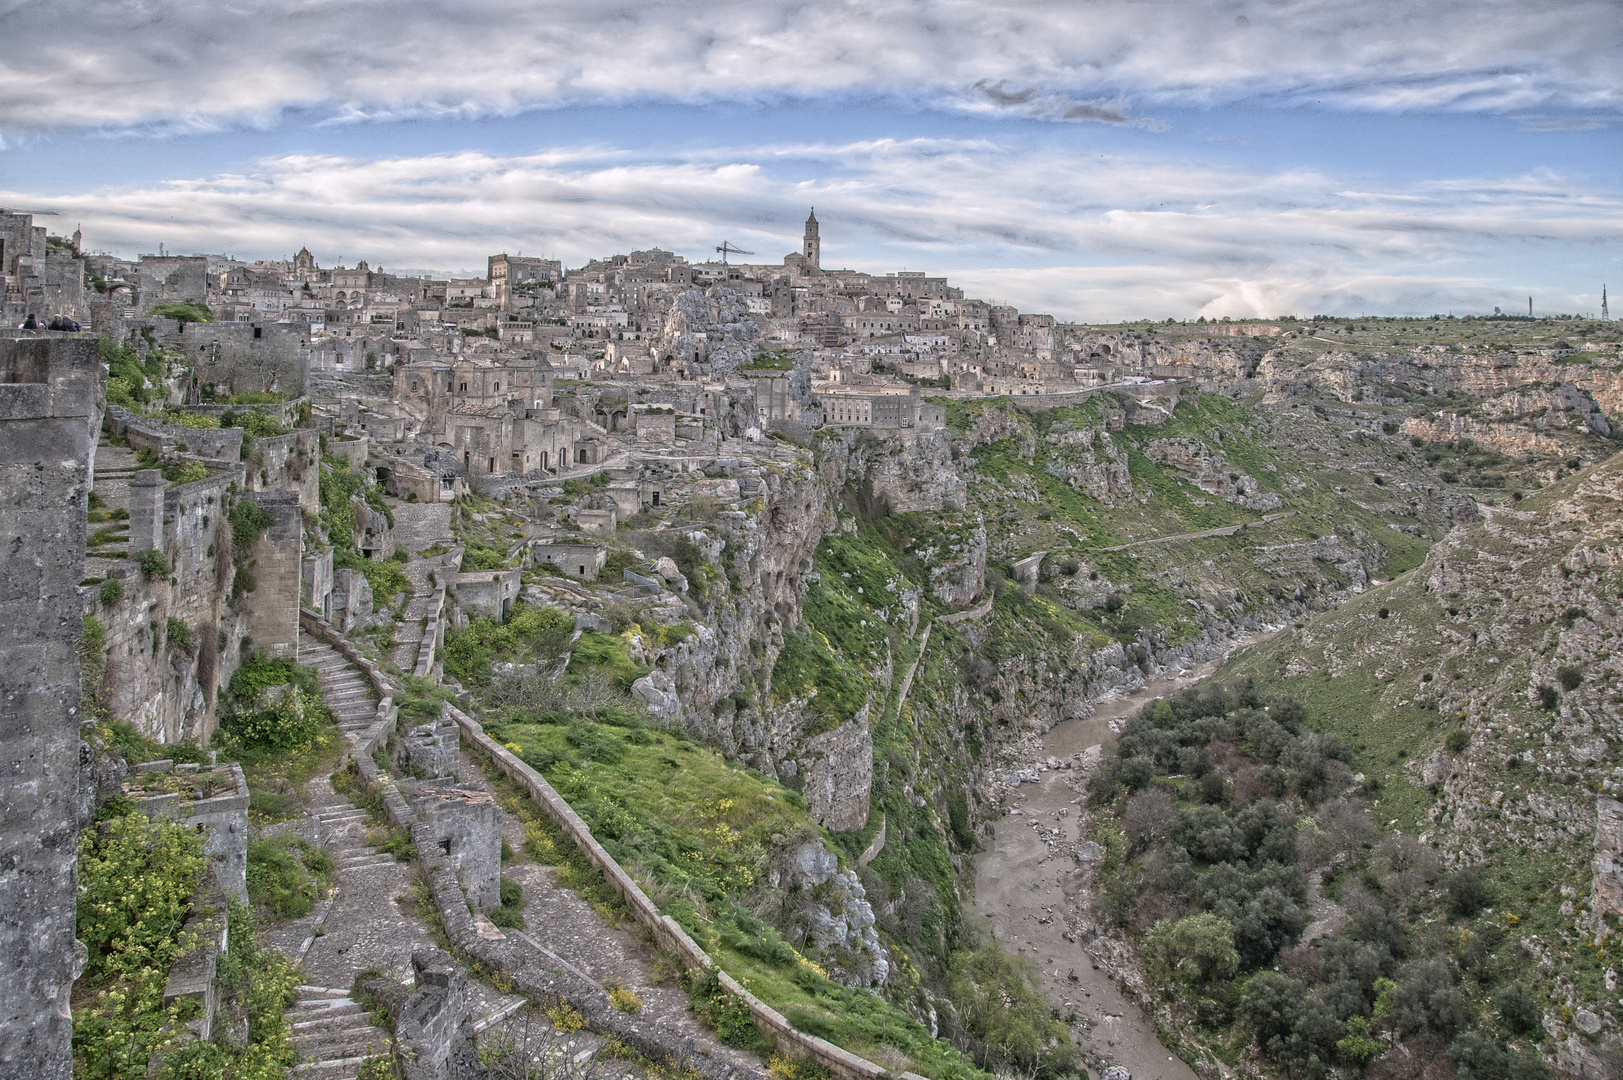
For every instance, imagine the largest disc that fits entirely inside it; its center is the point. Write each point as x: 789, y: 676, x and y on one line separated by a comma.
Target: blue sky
x: 1102, y: 160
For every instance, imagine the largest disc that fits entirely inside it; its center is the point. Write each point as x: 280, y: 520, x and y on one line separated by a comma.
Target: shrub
x: 1569, y: 677
x: 1458, y: 740
x: 265, y: 717
x: 510, y: 914
x: 111, y: 592
x: 1467, y: 893
x: 248, y: 521
x: 136, y: 881
x: 183, y: 472
x: 184, y: 312
x: 1290, y: 1025
x: 1425, y: 1000
x: 728, y: 1015
x: 1002, y: 1008
x: 1547, y: 697
x: 624, y: 1000
x: 178, y: 636
x: 1518, y: 1010
x: 153, y: 564
x: 285, y: 875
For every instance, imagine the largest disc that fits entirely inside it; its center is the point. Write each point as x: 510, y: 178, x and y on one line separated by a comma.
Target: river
x: 1030, y: 890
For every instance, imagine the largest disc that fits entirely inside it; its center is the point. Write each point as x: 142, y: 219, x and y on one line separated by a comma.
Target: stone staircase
x: 333, y: 1034
x: 344, y: 688
x: 360, y: 926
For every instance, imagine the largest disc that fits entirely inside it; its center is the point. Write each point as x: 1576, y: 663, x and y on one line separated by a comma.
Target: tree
x: 1291, y: 1026
x: 1425, y: 1000
x: 1196, y: 949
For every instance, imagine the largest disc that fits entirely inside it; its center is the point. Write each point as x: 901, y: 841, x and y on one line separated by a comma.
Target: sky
x: 1101, y: 160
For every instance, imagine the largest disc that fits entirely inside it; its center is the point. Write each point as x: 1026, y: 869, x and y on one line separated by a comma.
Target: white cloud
x: 1082, y: 235
x: 181, y: 62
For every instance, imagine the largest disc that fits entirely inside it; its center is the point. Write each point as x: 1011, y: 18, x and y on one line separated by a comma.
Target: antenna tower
x: 1605, y: 315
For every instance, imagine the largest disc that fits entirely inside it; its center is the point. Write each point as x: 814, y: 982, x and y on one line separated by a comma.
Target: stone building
x: 171, y: 279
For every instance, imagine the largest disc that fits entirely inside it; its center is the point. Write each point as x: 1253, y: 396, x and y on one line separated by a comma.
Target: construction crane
x: 726, y: 247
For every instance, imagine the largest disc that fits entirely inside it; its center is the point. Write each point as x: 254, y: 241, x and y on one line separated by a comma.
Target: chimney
x: 146, y: 510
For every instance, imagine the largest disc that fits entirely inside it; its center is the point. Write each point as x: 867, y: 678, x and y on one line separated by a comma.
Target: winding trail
x: 1226, y: 530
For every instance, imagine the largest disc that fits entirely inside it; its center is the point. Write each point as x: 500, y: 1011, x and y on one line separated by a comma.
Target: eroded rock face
x: 839, y: 921
x: 959, y: 578
x: 1212, y: 473
x: 836, y: 773
x: 657, y: 691
x: 906, y: 474
x: 1090, y: 462
x: 1606, y: 897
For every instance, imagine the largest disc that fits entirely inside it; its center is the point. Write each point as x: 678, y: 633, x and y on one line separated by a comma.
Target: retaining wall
x: 667, y: 932
x: 535, y: 971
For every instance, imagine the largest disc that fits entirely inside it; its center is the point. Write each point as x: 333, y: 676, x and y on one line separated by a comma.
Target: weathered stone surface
x: 1212, y: 472
x: 351, y: 600
x: 1606, y: 897
x: 50, y: 405
x: 657, y: 691
x: 466, y: 825
x: 836, y: 770
x: 431, y: 749
x: 838, y: 918
x: 433, y: 1022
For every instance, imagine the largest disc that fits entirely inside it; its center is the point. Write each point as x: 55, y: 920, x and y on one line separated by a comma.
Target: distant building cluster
x: 469, y: 365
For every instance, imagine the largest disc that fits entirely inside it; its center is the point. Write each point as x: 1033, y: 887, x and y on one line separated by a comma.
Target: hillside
x: 1476, y: 699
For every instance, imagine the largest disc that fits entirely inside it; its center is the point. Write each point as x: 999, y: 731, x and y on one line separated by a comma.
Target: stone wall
x: 239, y: 358
x: 287, y: 463
x: 155, y: 681
x: 50, y: 409
x: 667, y: 934
x: 276, y: 563
x: 145, y: 433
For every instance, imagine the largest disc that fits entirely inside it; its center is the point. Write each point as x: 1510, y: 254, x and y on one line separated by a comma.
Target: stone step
x: 360, y: 1043
x: 360, y: 862
x: 339, y: 817
x: 348, y: 1018
x: 341, y: 1069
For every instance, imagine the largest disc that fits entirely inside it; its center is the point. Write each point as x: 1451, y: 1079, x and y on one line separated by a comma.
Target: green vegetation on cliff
x: 1226, y: 818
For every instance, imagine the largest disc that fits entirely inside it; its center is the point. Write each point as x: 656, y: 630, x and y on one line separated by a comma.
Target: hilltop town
x: 659, y: 644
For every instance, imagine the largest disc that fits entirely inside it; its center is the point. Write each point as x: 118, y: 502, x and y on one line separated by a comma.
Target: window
x: 464, y: 388
x: 414, y: 386
x: 497, y: 388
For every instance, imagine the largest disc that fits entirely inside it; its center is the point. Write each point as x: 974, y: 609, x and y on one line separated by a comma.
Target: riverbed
x: 1031, y: 891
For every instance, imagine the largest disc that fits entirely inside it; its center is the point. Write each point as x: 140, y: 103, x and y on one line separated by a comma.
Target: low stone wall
x: 147, y: 433
x: 667, y: 932
x: 536, y: 972
x: 533, y: 971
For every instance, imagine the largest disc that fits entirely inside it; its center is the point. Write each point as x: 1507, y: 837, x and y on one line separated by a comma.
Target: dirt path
x: 1226, y: 530
x: 1032, y: 891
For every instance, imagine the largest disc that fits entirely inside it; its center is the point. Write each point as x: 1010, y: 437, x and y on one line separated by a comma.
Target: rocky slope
x: 1480, y: 696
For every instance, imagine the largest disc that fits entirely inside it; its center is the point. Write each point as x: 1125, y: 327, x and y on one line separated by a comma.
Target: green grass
x: 286, y: 875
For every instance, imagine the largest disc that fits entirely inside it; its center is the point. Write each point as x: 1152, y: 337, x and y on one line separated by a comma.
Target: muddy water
x: 1029, y: 891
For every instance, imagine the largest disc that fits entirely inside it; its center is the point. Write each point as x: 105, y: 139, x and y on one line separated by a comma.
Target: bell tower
x: 812, y: 249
